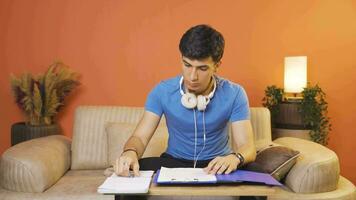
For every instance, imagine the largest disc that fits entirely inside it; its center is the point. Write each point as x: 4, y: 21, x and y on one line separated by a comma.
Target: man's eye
x: 187, y: 65
x: 203, y: 69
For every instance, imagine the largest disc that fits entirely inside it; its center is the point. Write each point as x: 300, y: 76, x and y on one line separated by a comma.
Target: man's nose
x: 194, y: 74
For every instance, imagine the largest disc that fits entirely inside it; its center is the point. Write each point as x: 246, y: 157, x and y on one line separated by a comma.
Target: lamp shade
x: 295, y: 74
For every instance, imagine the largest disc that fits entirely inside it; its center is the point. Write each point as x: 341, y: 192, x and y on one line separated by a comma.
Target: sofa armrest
x: 35, y: 165
x: 317, y: 168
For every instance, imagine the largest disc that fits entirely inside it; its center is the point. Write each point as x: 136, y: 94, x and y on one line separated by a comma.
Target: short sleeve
x: 153, y: 101
x: 240, y: 107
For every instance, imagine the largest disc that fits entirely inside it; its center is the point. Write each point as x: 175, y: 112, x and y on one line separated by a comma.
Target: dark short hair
x: 202, y: 41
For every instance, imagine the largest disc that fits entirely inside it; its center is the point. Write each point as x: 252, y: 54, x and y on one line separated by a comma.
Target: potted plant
x: 310, y: 112
x: 273, y: 98
x: 40, y: 98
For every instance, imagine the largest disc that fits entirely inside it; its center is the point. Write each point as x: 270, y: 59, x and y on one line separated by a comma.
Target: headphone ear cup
x: 189, y: 100
x: 202, y: 102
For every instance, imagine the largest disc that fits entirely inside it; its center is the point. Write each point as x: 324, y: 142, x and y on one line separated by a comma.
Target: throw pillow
x: 118, y: 133
x: 275, y: 160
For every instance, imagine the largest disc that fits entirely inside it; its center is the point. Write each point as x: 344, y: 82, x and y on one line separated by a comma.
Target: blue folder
x: 238, y: 176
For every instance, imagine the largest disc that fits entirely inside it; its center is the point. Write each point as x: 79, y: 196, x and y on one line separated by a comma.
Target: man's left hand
x: 222, y: 164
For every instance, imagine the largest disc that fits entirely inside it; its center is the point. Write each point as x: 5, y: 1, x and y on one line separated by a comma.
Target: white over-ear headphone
x: 190, y: 101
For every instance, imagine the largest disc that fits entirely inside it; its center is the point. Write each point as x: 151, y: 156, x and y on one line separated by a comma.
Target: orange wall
x: 123, y: 48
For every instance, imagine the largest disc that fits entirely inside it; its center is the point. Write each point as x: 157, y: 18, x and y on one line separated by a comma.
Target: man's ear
x: 217, y: 65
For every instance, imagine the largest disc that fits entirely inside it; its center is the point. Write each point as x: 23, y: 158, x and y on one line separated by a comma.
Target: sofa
x: 56, y: 167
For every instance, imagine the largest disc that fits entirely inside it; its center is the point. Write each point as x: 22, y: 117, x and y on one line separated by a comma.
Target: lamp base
x: 293, y: 99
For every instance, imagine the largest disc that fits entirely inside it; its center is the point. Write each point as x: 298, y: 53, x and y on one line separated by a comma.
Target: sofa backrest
x: 90, y: 144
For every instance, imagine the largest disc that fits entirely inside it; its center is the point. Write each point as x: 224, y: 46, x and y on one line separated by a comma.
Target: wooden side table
x: 289, y: 122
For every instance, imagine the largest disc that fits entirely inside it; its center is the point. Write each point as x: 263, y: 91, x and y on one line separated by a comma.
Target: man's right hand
x: 138, y: 140
x: 128, y: 160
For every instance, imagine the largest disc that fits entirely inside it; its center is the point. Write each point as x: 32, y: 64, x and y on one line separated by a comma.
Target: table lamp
x: 295, y: 76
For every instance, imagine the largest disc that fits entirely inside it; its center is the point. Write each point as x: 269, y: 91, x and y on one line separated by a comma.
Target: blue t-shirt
x: 229, y: 103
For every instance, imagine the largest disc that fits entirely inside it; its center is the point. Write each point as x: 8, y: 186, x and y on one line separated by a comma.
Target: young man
x: 197, y: 106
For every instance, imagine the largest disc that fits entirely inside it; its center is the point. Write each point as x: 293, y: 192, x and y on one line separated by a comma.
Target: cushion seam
x: 286, y: 162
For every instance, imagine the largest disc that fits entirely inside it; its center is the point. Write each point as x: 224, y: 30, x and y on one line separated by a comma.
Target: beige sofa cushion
x: 35, y: 165
x: 261, y: 125
x: 118, y: 133
x: 74, y: 185
x: 317, y: 168
x: 89, y: 146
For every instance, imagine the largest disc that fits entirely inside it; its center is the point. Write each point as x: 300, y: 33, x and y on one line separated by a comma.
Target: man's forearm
x: 243, y: 139
x: 135, y: 144
x: 248, y: 152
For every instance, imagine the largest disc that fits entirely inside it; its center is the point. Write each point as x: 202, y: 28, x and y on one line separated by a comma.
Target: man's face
x: 197, y: 73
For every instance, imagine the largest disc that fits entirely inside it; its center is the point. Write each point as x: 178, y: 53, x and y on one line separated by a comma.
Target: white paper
x: 184, y: 175
x: 126, y: 185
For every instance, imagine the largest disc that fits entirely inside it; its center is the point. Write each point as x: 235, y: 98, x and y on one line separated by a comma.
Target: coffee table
x: 208, y: 190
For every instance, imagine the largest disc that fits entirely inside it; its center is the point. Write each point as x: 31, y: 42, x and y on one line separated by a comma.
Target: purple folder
x: 238, y: 176
x: 247, y: 176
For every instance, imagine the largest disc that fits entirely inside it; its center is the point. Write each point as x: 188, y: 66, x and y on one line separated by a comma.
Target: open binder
x: 169, y: 176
